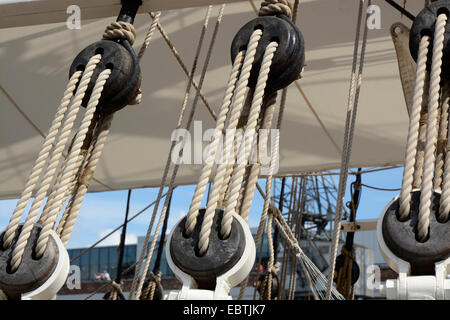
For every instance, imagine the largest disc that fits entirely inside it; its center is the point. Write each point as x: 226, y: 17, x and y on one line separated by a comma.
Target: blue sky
x: 103, y: 212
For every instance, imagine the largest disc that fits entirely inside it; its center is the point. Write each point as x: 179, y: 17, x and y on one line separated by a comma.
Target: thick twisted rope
x: 255, y: 168
x: 191, y: 218
x: 238, y: 174
x: 444, y: 207
x: 44, y: 154
x: 441, y: 147
x: 352, y: 106
x: 238, y: 103
x: 53, y: 163
x: 86, y: 177
x: 120, y: 30
x: 413, y: 133
x: 71, y: 161
x: 430, y: 147
x: 274, y: 7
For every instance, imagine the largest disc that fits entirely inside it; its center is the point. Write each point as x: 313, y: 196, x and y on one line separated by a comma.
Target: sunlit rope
x: 430, y: 147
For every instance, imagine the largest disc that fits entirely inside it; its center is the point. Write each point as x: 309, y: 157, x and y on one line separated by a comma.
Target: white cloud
x: 114, y: 239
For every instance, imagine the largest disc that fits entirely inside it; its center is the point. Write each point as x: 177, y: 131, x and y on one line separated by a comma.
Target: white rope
x: 430, y: 147
x: 444, y: 207
x: 40, y: 162
x: 191, y: 218
x: 239, y: 171
x: 136, y: 287
x: 85, y: 178
x: 149, y: 35
x: 53, y: 163
x: 172, y: 181
x: 255, y: 169
x: 120, y: 30
x: 413, y: 133
x: 71, y: 162
x: 274, y: 7
x: 441, y: 143
x: 352, y: 107
x: 238, y: 103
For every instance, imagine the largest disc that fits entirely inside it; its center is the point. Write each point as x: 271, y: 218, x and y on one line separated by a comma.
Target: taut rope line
x: 352, y: 107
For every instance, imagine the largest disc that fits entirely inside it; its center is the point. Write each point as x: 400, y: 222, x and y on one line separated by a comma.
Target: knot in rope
x: 275, y: 269
x: 116, y: 287
x: 123, y: 30
x: 120, y: 30
x: 274, y: 7
x: 155, y: 277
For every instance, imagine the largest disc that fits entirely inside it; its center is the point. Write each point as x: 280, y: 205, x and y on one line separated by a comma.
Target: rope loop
x: 120, y: 30
x: 274, y: 7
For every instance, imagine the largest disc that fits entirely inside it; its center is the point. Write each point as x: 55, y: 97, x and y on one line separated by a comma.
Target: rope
x: 53, y: 163
x: 381, y: 189
x: 239, y: 170
x: 430, y: 147
x: 441, y: 146
x: 3, y: 296
x: 444, y: 207
x: 274, y: 7
x: 344, y: 276
x: 232, y: 124
x: 175, y: 170
x: 413, y: 133
x: 116, y: 291
x: 197, y: 198
x: 71, y: 161
x: 120, y: 30
x: 182, y: 64
x: 255, y: 169
x: 316, y: 280
x: 352, y: 106
x: 149, y: 35
x: 148, y: 293
x: 85, y: 177
x: 44, y: 153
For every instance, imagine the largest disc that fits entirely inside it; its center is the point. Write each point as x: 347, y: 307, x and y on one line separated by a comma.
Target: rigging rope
x: 430, y: 147
x: 426, y: 158
x: 136, y: 287
x: 352, y: 107
x: 77, y: 169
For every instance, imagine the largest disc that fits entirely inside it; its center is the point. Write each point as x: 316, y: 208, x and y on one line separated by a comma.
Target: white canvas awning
x: 34, y: 71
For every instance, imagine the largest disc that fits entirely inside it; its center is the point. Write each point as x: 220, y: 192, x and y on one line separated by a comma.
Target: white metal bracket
x: 55, y: 282
x: 406, y: 287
